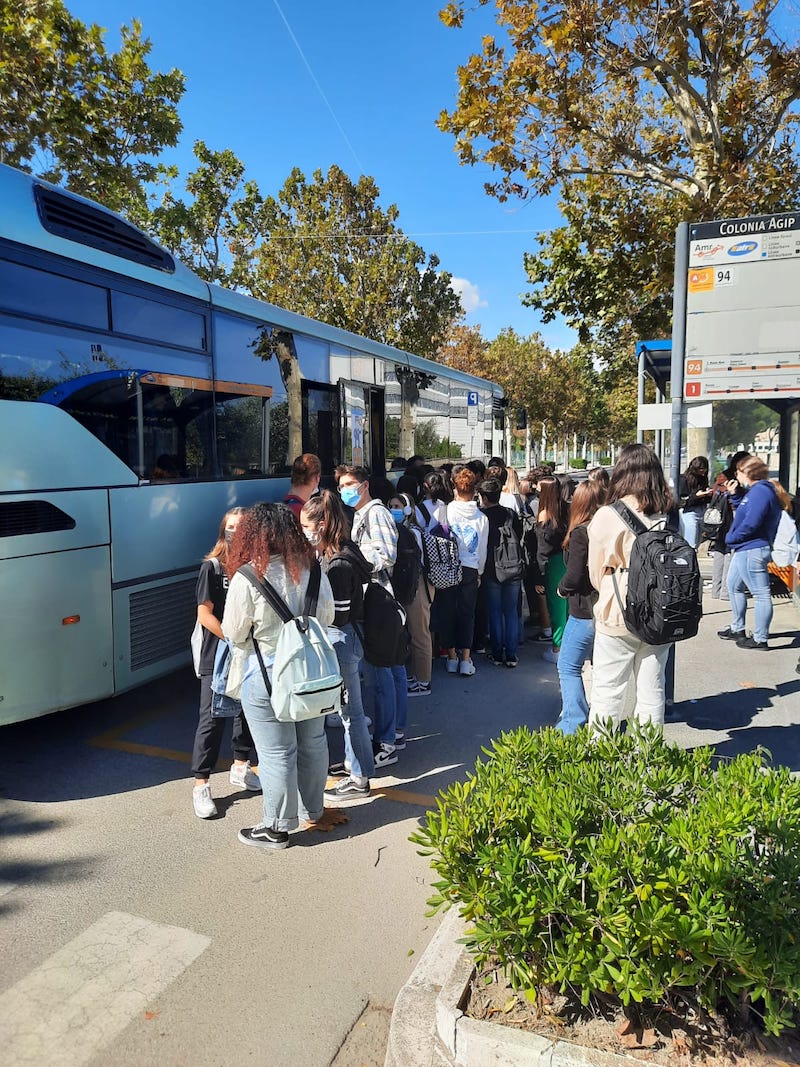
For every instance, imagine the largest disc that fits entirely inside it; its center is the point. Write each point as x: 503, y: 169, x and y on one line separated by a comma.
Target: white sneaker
x: 551, y: 655
x: 452, y: 666
x: 204, y: 806
x: 244, y: 777
x: 466, y: 667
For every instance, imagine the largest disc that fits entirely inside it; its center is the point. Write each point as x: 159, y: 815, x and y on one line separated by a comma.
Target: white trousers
x: 615, y: 660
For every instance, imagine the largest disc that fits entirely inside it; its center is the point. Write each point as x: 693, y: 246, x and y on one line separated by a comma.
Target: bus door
x: 321, y: 424
x: 363, y: 422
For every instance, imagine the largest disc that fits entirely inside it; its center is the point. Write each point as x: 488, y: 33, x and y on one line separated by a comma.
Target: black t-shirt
x: 212, y: 584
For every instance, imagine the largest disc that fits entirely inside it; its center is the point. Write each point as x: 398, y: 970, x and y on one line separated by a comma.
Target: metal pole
x: 678, y: 348
x: 640, y: 397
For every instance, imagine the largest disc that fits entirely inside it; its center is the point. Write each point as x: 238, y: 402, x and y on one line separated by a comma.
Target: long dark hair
x: 638, y: 473
x: 587, y: 498
x: 327, y: 511
x: 552, y: 503
x: 267, y: 530
x: 696, y: 474
x: 436, y: 486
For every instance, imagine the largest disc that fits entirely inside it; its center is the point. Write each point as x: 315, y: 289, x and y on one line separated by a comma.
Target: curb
x: 430, y: 1029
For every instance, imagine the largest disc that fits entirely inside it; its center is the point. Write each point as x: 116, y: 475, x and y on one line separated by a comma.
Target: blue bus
x: 137, y: 404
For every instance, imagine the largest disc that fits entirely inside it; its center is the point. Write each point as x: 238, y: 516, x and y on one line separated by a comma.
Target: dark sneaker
x: 421, y: 689
x: 264, y: 837
x: 512, y: 661
x: 348, y: 789
x: 385, y: 755
x: 545, y: 637
x: 497, y: 660
x: 399, y: 740
x: 339, y: 770
x: 750, y: 642
x: 730, y: 635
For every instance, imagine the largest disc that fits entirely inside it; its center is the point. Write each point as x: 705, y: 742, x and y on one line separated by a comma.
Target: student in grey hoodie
x: 457, y: 605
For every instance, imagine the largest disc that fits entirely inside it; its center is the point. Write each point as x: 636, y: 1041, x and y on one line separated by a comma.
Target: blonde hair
x: 512, y: 481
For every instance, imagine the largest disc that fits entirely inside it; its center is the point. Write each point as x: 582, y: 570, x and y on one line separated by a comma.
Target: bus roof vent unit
x: 77, y: 220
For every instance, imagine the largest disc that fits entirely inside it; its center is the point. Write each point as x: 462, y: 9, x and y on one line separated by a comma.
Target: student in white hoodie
x: 456, y: 606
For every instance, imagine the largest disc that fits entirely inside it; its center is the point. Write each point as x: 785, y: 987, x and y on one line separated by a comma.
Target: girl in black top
x: 212, y: 588
x: 695, y: 494
x: 578, y: 640
x: 325, y: 525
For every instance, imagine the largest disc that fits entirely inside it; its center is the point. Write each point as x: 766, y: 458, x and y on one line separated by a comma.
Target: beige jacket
x: 244, y: 607
x: 610, y: 542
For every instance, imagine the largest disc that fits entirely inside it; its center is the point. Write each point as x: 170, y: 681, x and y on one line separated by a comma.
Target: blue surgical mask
x: 398, y: 514
x: 349, y: 495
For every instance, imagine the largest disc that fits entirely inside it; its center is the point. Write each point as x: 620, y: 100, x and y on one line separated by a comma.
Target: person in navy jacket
x: 750, y: 538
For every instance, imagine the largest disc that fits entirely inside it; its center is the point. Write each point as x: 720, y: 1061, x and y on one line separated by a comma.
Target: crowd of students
x: 565, y: 547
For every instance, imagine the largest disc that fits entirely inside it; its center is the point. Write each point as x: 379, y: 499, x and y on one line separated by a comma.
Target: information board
x: 743, y: 309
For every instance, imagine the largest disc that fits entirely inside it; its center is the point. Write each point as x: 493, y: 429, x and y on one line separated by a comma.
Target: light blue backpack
x: 305, y: 681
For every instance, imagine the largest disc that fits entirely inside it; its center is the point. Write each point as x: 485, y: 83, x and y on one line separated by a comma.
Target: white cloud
x: 470, y: 296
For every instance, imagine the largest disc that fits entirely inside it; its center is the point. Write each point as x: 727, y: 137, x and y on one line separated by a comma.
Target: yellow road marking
x: 114, y: 740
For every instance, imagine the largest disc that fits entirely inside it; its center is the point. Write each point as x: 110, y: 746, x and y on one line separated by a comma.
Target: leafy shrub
x: 620, y: 864
x: 605, y: 461
x: 578, y: 464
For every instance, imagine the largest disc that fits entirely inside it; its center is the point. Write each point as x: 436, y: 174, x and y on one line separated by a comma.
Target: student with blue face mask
x: 375, y: 533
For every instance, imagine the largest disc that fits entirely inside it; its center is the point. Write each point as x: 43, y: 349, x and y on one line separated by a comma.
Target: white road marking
x: 80, y: 998
x: 6, y: 887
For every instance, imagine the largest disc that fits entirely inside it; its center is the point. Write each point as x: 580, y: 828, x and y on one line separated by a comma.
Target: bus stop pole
x: 676, y: 390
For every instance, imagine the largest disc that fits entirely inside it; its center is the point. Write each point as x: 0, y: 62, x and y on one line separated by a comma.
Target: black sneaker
x: 730, y: 635
x: 750, y: 642
x: 385, y: 755
x: 264, y: 837
x: 512, y: 661
x: 544, y: 638
x: 339, y: 770
x: 348, y: 789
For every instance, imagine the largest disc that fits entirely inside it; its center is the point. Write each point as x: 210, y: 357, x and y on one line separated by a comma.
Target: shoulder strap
x: 279, y: 606
x: 312, y: 590
x: 633, y: 522
x: 216, y: 566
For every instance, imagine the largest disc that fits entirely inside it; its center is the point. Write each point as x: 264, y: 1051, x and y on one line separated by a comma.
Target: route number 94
x: 694, y: 366
x: 724, y: 276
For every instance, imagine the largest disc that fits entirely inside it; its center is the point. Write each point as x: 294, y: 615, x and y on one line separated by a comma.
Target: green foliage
x: 80, y: 115
x: 618, y: 864
x: 578, y: 464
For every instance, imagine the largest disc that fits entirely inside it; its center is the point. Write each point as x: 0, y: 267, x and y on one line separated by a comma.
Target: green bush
x: 620, y: 864
x: 578, y: 464
x: 605, y: 461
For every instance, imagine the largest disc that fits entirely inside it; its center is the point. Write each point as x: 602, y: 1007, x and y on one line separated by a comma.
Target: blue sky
x: 358, y: 84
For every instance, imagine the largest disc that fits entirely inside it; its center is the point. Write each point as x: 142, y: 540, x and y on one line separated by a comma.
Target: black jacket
x: 575, y: 584
x: 348, y: 572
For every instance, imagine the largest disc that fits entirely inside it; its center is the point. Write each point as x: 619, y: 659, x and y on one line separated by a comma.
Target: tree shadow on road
x: 16, y: 872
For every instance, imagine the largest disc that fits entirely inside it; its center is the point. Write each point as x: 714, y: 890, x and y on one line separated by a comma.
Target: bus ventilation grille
x: 24, y: 517
x: 88, y: 225
x: 161, y: 621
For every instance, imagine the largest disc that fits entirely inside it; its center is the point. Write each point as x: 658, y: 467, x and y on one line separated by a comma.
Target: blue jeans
x: 749, y: 568
x: 502, y: 601
x: 400, y: 679
x: 576, y: 648
x: 357, y: 745
x: 691, y: 524
x: 292, y: 759
x: 380, y: 701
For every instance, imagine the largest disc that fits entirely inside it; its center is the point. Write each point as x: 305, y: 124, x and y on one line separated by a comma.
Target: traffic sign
x: 472, y: 399
x: 742, y: 309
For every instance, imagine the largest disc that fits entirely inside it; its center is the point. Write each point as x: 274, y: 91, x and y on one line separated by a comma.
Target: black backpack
x: 406, y: 572
x: 664, y: 600
x: 508, y: 559
x: 383, y: 632
x: 528, y: 538
x: 717, y: 517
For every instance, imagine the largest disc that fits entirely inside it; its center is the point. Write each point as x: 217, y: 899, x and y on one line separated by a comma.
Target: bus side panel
x: 160, y: 534
x: 46, y: 665
x: 169, y: 527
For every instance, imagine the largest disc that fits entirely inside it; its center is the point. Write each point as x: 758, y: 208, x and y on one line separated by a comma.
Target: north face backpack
x: 717, y: 517
x: 440, y: 559
x: 508, y: 560
x: 306, y: 680
x: 664, y: 598
x: 383, y: 630
x: 406, y: 571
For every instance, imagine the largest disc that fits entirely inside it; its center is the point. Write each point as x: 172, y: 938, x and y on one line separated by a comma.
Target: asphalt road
x: 134, y: 933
